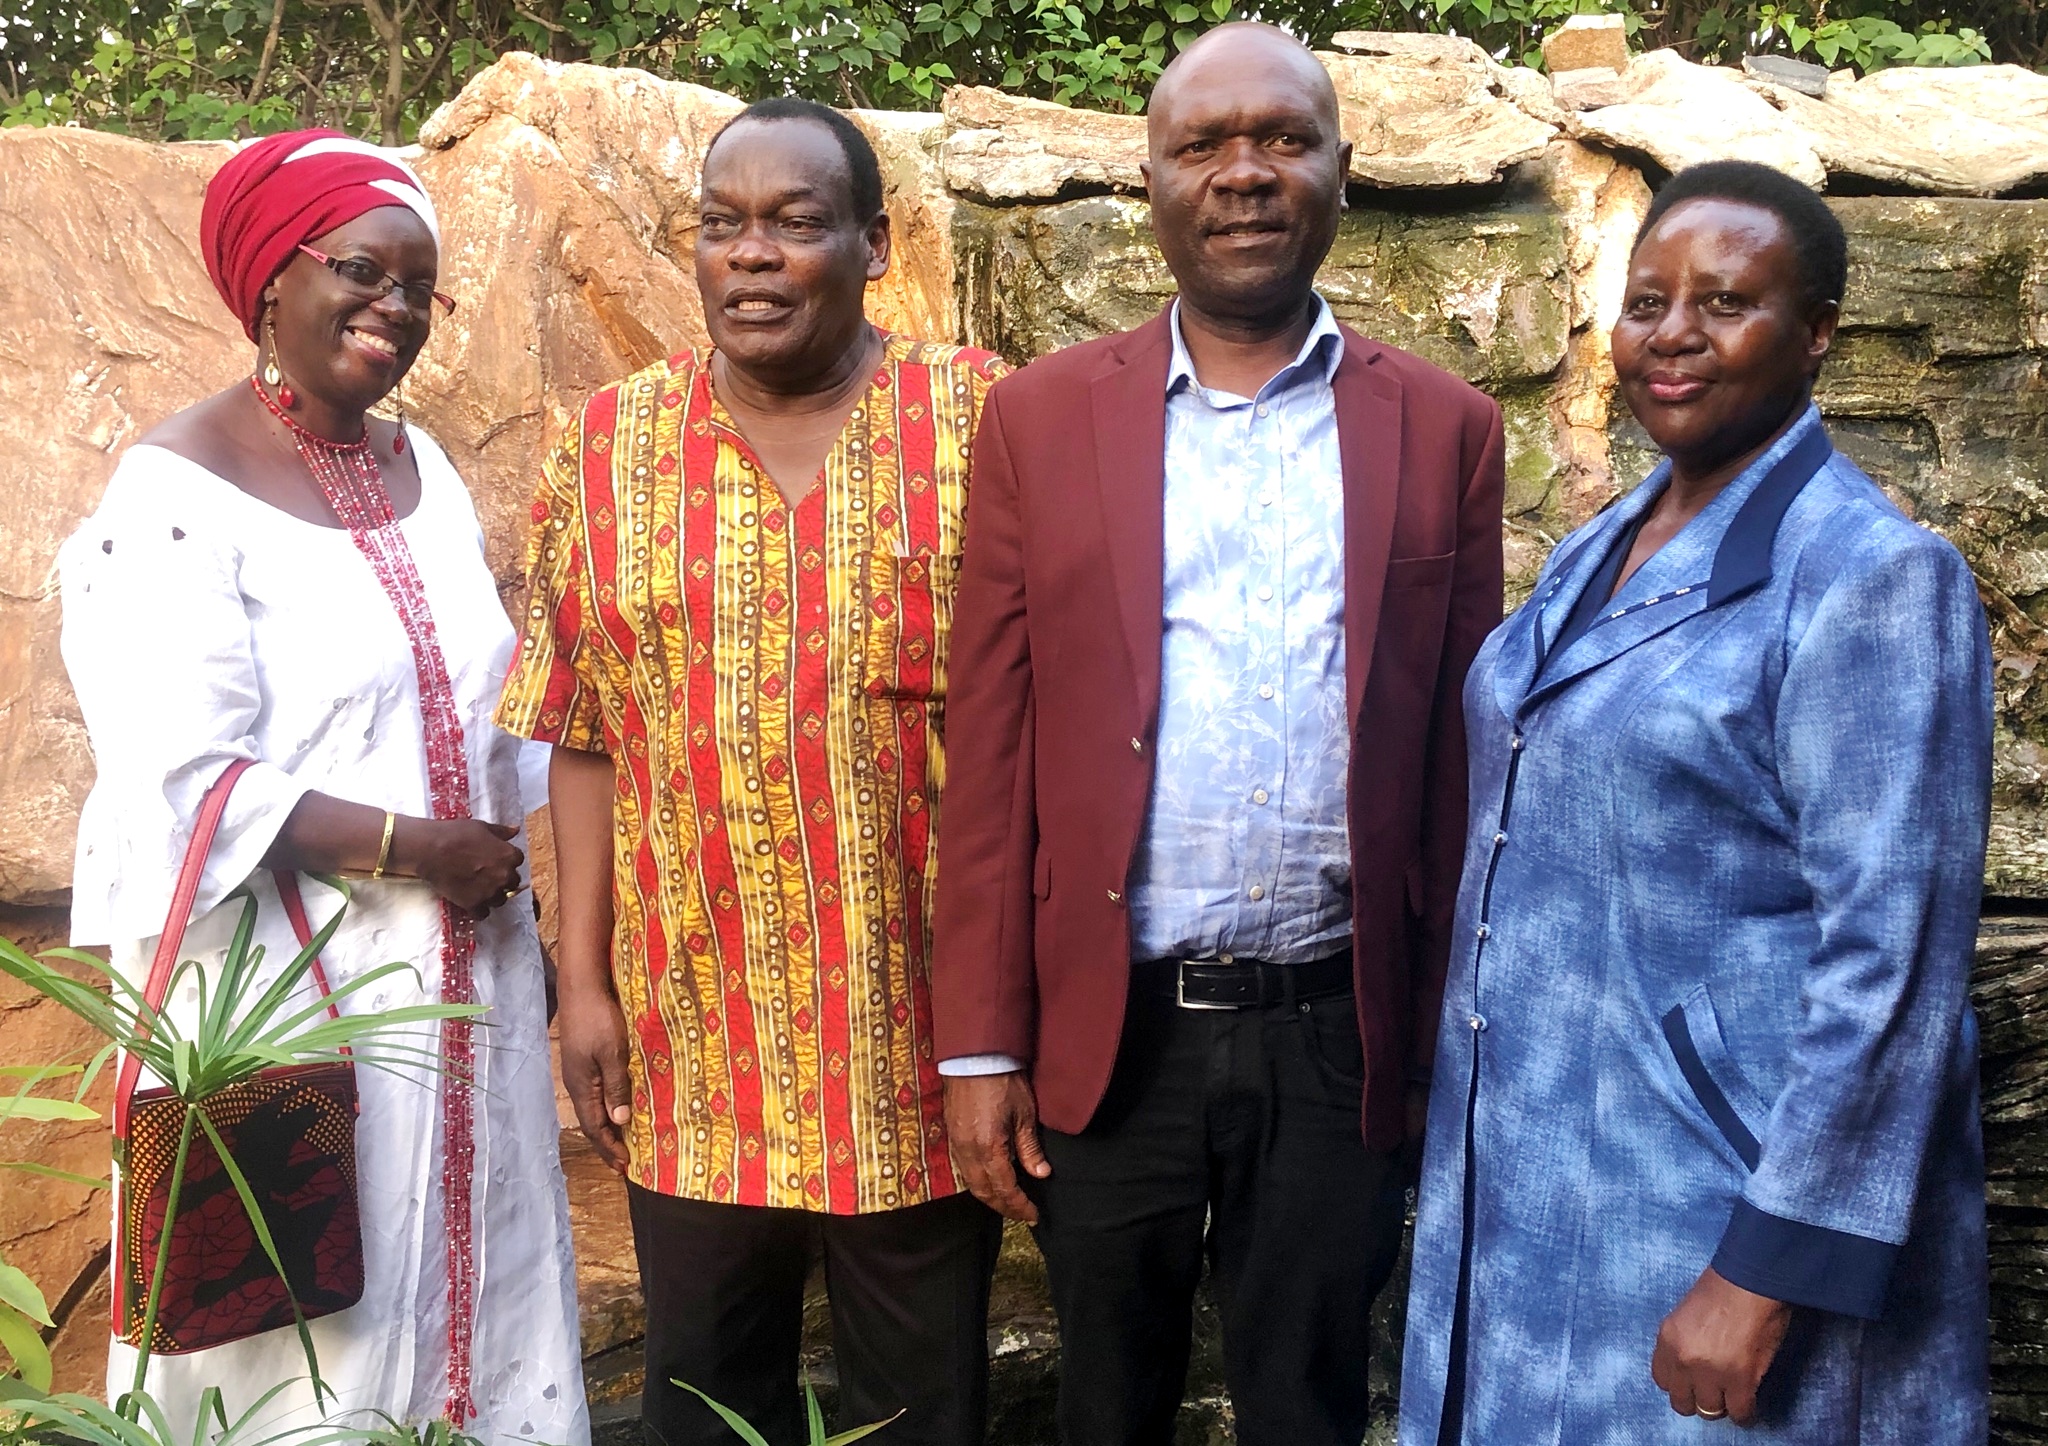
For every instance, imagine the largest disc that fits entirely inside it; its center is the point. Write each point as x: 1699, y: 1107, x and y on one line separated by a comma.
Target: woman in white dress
x: 274, y: 575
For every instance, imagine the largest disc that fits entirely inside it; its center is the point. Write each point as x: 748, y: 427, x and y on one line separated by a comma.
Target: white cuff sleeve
x: 972, y: 1064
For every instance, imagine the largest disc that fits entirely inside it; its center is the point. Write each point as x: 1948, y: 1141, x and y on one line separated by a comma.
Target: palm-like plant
x: 748, y: 1434
x: 243, y: 1028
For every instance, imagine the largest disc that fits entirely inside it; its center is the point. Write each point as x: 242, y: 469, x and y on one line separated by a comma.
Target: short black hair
x: 1817, y: 238
x: 864, y: 172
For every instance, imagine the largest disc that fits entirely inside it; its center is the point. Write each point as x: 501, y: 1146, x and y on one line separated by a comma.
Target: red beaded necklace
x: 353, y: 483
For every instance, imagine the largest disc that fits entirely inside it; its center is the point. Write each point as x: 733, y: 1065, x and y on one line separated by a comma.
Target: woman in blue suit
x: 1703, y: 1141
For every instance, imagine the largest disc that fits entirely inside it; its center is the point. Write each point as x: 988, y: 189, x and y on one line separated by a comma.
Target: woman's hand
x: 467, y: 861
x: 1713, y: 1350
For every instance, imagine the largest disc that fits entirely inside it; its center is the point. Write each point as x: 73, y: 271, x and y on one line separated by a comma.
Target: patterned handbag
x: 292, y: 1132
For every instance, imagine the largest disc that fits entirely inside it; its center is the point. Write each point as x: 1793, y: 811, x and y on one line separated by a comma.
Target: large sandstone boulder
x: 1679, y: 114
x: 107, y: 325
x: 1011, y: 148
x: 1969, y: 131
x: 1429, y: 116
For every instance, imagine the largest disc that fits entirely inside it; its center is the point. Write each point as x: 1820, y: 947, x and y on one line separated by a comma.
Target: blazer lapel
x: 1533, y: 628
x: 1615, y: 635
x: 1368, y: 403
x: 1129, y: 406
x: 1721, y: 555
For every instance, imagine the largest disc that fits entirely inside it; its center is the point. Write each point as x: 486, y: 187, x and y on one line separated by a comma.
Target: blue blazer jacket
x: 1707, y: 996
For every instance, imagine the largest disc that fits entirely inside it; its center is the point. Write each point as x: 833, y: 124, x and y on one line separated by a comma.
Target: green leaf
x: 29, y: 1107
x: 22, y: 1341
x: 731, y: 1418
x: 50, y: 1172
x: 857, y: 1432
x: 257, y: 1223
x: 17, y: 1290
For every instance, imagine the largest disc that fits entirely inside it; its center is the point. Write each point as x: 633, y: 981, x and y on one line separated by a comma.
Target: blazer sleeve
x: 1884, y: 753
x: 1477, y: 583
x: 984, y: 990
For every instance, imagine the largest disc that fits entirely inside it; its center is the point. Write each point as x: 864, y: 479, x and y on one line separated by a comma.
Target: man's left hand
x: 1713, y: 1350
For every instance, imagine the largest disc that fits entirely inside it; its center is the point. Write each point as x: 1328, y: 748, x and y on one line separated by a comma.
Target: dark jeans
x: 724, y: 1286
x: 1235, y: 1136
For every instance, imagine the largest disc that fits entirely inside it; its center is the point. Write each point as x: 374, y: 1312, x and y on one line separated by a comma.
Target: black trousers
x: 1231, y: 1136
x: 724, y: 1286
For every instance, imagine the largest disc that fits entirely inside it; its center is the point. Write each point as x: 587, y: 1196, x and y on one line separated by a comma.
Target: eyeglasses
x: 376, y: 283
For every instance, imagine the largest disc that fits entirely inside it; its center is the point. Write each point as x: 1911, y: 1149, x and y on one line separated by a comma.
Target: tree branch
x: 542, y: 22
x: 440, y: 58
x: 269, y: 58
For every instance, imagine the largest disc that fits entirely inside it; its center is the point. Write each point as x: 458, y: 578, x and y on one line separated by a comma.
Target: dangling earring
x: 286, y: 397
x: 271, y: 375
x: 398, y: 440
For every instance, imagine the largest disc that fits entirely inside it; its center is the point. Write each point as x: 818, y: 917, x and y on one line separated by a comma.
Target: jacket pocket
x: 1421, y: 571
x: 907, y: 608
x: 1692, y: 1031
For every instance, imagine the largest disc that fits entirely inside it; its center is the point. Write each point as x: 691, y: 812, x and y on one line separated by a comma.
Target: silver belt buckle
x: 1180, y: 991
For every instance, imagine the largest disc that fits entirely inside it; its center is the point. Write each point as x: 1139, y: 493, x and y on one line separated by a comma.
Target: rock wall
x: 1491, y: 215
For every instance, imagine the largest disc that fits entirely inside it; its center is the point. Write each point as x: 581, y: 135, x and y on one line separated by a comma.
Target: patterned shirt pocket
x: 907, y: 603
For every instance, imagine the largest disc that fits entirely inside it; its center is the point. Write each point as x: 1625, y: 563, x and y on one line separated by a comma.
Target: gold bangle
x: 384, y: 848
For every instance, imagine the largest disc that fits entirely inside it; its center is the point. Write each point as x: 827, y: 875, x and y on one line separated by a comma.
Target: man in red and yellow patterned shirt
x: 743, y: 568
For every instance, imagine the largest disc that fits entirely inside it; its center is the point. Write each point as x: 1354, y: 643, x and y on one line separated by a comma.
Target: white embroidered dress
x: 202, y: 626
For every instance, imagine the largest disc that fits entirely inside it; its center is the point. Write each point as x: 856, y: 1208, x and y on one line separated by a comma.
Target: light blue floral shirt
x: 1245, y: 852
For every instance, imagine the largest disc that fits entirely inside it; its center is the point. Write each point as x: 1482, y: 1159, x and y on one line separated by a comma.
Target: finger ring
x: 1706, y: 1415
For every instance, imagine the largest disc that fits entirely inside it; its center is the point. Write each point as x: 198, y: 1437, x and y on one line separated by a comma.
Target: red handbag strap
x: 165, y: 962
x: 295, y: 909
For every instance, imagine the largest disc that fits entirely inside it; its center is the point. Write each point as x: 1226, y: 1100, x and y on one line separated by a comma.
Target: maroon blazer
x: 1054, y: 696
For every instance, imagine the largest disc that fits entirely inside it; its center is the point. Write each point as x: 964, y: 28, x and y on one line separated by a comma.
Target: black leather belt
x: 1242, y: 983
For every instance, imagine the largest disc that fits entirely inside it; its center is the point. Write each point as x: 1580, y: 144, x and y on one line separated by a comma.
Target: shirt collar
x: 1323, y: 340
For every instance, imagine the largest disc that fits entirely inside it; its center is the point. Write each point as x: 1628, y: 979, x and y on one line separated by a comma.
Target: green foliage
x: 24, y: 1313
x: 815, y: 1436
x: 195, y: 69
x: 31, y: 1416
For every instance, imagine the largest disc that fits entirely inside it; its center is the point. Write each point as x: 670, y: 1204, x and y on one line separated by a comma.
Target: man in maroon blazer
x: 1205, y: 808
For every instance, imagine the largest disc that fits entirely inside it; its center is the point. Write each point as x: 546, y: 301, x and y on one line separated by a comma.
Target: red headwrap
x: 279, y: 192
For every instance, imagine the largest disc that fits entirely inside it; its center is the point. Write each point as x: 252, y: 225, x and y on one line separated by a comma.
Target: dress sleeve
x: 551, y: 693
x: 157, y: 641
x: 1884, y: 753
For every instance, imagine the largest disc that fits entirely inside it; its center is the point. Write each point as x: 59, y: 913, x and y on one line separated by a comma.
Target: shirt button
x: 1499, y: 839
x: 1485, y: 931
x: 1258, y: 795
x: 1226, y: 958
x: 1265, y: 690
x: 1478, y: 1023
x: 1516, y: 746
x: 1265, y: 594
x: 1264, y: 409
x: 1256, y: 892
x: 1137, y: 745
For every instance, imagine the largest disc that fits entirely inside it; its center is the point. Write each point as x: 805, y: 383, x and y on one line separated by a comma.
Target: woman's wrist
x: 411, y: 843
